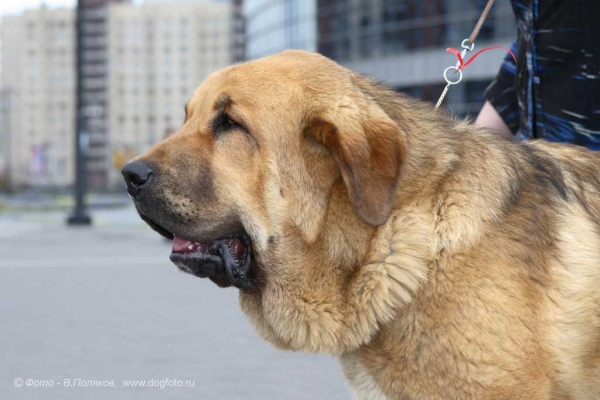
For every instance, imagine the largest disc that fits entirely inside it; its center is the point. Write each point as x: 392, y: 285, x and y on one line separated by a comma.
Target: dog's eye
x: 224, y: 123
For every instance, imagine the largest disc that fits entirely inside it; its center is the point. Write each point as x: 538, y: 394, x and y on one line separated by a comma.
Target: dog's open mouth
x: 226, y: 261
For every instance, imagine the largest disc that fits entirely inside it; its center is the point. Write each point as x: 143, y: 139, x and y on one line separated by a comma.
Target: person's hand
x: 488, y: 118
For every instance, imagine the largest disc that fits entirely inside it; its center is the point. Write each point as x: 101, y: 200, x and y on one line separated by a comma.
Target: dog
x: 435, y: 259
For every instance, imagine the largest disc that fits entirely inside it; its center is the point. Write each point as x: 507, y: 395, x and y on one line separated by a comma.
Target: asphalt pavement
x: 97, y: 313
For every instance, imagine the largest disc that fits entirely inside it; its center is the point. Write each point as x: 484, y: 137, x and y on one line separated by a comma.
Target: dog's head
x: 274, y: 184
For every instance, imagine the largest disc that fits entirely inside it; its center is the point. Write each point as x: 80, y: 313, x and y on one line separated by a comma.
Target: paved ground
x: 105, y: 304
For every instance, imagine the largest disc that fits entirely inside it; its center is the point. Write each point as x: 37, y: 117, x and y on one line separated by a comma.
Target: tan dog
x: 437, y: 260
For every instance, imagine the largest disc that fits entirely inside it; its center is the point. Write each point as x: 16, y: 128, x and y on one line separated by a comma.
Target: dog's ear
x: 369, y: 148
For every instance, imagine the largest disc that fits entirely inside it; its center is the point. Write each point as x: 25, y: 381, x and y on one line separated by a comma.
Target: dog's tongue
x: 181, y: 245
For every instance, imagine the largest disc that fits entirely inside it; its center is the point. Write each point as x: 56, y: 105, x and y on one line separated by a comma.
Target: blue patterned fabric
x: 553, y: 90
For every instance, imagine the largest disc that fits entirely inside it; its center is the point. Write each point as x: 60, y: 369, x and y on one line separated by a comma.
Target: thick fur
x: 436, y: 260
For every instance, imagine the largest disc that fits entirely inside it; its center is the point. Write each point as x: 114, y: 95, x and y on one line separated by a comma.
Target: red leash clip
x: 464, y: 64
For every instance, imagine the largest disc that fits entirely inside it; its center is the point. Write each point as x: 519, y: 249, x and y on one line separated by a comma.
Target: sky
x: 8, y: 7
x: 15, y: 7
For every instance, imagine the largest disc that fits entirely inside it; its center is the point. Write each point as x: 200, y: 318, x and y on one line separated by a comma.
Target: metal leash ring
x: 465, y: 45
x: 450, y: 81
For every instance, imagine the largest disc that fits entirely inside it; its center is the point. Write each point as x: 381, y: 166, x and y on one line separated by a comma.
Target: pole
x: 80, y: 215
x: 7, y: 145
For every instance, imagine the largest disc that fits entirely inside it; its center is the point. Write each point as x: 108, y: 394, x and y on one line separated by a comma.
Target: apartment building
x: 38, y: 80
x: 141, y: 64
x: 94, y: 87
x: 158, y: 54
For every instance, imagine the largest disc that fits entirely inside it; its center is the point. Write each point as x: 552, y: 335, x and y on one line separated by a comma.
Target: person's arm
x: 500, y: 112
x: 488, y: 118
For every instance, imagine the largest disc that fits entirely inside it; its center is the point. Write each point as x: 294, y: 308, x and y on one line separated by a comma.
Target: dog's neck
x: 426, y: 221
x: 373, y: 272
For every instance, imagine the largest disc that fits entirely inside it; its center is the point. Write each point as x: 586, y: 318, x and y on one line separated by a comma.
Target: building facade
x: 38, y: 78
x: 276, y: 25
x: 403, y: 42
x: 140, y: 65
x: 94, y: 88
x: 158, y: 54
x: 238, y: 32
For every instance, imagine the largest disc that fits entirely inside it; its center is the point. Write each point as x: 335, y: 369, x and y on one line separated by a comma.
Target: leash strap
x: 480, y: 22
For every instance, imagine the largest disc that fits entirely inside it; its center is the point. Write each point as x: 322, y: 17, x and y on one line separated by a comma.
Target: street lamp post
x: 80, y: 215
x: 7, y: 138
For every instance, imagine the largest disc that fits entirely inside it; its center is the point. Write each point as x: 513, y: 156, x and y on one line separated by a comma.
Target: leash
x: 467, y: 45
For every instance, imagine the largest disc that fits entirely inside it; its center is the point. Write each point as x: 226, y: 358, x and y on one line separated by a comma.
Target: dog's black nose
x: 137, y: 176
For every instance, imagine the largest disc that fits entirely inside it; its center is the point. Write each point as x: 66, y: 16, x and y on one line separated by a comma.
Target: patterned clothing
x: 553, y: 90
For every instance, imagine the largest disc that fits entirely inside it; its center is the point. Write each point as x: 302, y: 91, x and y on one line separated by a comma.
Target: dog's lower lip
x: 202, y: 265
